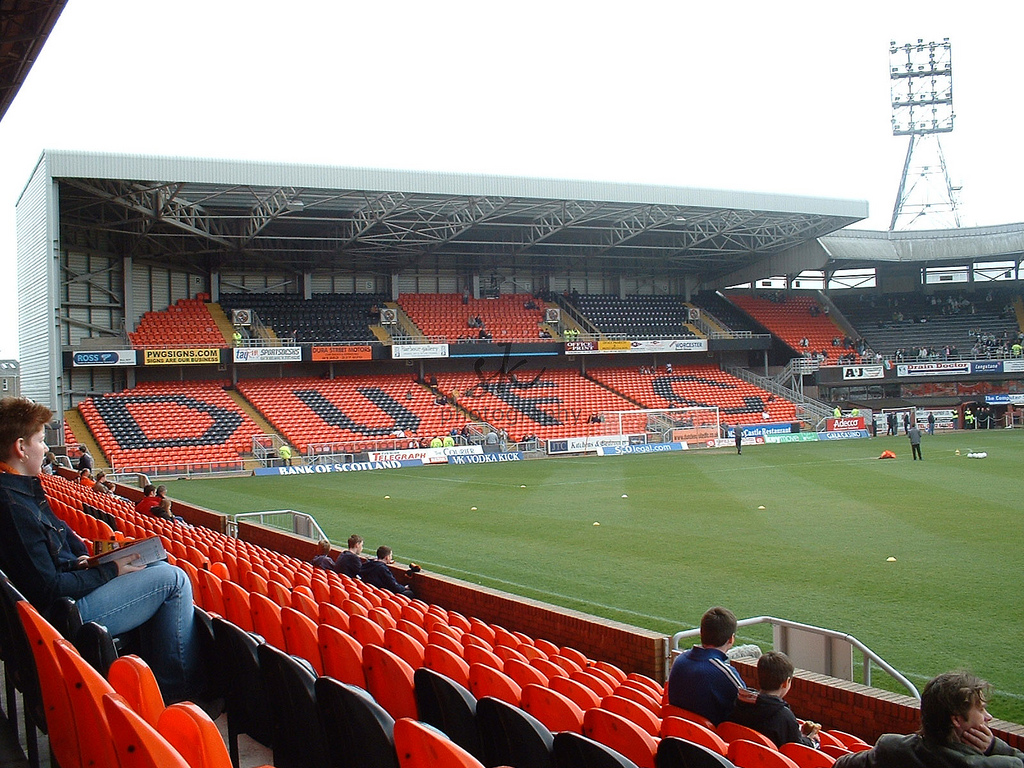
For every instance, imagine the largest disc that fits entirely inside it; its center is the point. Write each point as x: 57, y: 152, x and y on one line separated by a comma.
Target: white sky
x: 789, y: 97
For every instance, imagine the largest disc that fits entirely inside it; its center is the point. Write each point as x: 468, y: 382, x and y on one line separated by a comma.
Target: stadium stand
x: 951, y: 325
x: 697, y: 386
x: 545, y: 403
x: 638, y: 317
x: 173, y: 424
x: 324, y: 317
x: 794, y: 319
x: 447, y: 315
x: 188, y: 323
x: 358, y: 412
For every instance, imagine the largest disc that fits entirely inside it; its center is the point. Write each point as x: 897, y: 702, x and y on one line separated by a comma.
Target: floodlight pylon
x: 921, y: 86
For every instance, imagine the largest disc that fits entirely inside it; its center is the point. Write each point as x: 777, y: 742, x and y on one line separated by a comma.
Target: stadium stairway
x: 84, y: 437
x: 222, y: 321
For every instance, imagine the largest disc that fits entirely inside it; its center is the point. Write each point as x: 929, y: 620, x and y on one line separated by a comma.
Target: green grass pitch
x: 681, y: 532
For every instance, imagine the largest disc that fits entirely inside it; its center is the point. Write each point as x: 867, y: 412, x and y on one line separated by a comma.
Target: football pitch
x: 654, y: 540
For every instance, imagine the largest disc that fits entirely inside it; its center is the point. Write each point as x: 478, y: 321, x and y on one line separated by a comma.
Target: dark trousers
x: 915, y: 449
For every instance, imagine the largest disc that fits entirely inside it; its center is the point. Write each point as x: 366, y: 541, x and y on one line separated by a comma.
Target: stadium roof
x: 862, y: 248
x: 24, y: 27
x: 213, y: 214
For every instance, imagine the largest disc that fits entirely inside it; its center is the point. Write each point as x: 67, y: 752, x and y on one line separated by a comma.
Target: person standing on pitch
x: 737, y: 433
x: 915, y: 442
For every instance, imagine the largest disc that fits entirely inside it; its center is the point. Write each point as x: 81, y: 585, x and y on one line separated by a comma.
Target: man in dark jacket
x: 954, y: 732
x: 767, y: 711
x: 702, y: 680
x: 378, y: 573
x: 349, y: 562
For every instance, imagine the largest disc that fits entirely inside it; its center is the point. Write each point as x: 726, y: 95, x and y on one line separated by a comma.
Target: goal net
x: 694, y: 426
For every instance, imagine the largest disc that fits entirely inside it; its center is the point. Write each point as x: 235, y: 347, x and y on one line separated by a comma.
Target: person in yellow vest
x: 837, y: 412
x: 969, y: 419
x: 448, y: 441
x: 437, y: 442
x: 236, y: 337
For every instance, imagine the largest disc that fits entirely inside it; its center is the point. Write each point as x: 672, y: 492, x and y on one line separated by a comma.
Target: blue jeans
x: 157, y: 599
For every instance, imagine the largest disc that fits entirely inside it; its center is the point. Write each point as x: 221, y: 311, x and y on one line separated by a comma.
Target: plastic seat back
x: 440, y: 659
x: 751, y: 754
x: 806, y: 757
x: 674, y: 752
x: 523, y: 673
x: 584, y: 697
x: 266, y: 619
x: 620, y: 734
x: 248, y: 705
x: 57, y: 714
x: 300, y: 637
x: 86, y: 689
x: 421, y: 746
x: 556, y: 710
x: 138, y: 745
x: 298, y: 739
x: 448, y: 706
x: 194, y: 736
x: 681, y: 728
x: 573, y: 750
x: 485, y: 680
x: 731, y: 732
x: 365, y: 630
x: 404, y: 645
x: 389, y: 679
x: 132, y: 678
x: 511, y: 736
x: 359, y: 731
x: 633, y: 712
x: 667, y: 710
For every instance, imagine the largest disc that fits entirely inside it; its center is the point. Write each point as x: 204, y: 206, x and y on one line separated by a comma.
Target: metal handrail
x: 298, y: 520
x: 869, y: 655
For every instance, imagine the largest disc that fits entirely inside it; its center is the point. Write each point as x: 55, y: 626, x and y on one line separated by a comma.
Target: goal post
x: 695, y: 426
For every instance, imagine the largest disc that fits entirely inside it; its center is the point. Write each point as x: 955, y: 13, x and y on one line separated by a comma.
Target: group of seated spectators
x: 954, y: 719
x: 375, y: 571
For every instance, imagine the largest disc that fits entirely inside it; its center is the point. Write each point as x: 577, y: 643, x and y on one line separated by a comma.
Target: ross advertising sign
x: 104, y: 358
x: 268, y: 354
x: 181, y: 356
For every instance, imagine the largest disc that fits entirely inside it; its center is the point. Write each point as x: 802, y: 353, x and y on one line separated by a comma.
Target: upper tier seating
x: 445, y: 315
x: 794, y: 318
x: 186, y: 324
x: 910, y: 321
x: 638, y: 317
x: 556, y: 403
x: 722, y: 310
x: 324, y: 317
x: 365, y: 410
x: 174, y: 423
x: 696, y: 386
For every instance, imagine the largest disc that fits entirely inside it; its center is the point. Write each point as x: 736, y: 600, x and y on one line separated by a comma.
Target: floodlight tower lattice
x: 921, y: 86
